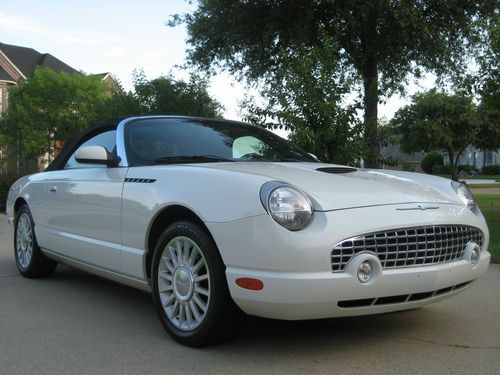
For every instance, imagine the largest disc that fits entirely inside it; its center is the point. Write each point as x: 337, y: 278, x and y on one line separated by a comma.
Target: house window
x: 488, y: 158
x: 1, y: 99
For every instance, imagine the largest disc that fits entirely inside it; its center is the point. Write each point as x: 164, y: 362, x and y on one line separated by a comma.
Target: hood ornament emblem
x: 421, y: 207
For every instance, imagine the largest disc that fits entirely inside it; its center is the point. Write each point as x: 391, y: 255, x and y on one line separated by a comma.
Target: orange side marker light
x: 250, y: 283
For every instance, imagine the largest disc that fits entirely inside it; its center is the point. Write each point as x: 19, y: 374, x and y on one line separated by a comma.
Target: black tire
x: 222, y: 317
x: 34, y: 263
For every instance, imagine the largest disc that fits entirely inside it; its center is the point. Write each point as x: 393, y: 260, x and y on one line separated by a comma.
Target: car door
x: 83, y: 209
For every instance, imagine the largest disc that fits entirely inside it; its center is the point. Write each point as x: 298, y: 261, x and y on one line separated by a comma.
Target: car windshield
x: 177, y: 140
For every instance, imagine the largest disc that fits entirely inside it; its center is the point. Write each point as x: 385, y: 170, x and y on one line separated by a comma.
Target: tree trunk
x: 369, y: 73
x: 370, y: 81
x: 453, y: 166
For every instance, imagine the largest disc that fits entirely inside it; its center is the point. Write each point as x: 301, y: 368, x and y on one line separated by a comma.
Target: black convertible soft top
x: 78, y: 139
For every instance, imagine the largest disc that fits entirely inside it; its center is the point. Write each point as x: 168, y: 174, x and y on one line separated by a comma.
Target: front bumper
x: 292, y: 296
x: 295, y: 267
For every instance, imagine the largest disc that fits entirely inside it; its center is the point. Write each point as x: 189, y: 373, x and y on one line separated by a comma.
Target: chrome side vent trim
x: 141, y: 180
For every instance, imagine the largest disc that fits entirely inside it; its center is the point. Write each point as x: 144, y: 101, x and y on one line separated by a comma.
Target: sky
x: 120, y: 36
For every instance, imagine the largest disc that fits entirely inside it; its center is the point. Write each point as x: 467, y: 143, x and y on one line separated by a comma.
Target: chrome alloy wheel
x: 24, y: 240
x: 184, y: 283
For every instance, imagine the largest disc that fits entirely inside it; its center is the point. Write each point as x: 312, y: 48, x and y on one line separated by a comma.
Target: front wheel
x: 30, y: 260
x: 189, y: 287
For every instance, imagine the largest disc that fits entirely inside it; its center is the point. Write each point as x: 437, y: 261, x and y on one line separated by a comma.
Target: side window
x: 106, y: 139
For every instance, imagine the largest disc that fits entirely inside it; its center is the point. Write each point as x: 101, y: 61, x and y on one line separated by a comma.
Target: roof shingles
x: 28, y: 59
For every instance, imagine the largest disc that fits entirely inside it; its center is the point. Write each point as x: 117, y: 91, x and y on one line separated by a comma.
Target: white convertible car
x: 217, y: 218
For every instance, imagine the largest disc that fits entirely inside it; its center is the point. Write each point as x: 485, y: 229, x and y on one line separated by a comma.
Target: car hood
x: 359, y: 188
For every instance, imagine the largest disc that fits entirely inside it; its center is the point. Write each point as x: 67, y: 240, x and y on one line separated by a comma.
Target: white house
x: 476, y: 157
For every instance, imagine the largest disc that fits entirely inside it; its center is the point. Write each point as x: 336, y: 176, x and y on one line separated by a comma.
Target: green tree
x: 489, y: 88
x: 381, y: 42
x: 48, y: 107
x: 304, y: 96
x: 166, y: 95
x: 437, y: 120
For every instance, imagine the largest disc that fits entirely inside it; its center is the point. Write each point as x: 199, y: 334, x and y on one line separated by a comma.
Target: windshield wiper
x: 190, y: 159
x: 289, y: 160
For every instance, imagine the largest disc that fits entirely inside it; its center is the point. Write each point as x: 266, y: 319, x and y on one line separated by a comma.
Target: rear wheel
x: 190, y: 289
x: 30, y: 260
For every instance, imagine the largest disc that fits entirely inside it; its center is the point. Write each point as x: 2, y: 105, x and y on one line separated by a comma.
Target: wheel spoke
x: 199, y: 278
x: 195, y: 311
x: 202, y: 305
x: 169, y: 301
x: 199, y: 289
x: 198, y: 265
x: 189, y: 314
x: 181, y: 314
x: 24, y: 240
x: 165, y: 275
x: 183, y: 289
x: 168, y: 288
x: 179, y: 252
x: 23, y: 223
x: 167, y: 262
x: 174, y: 310
x: 173, y: 256
x: 192, y: 256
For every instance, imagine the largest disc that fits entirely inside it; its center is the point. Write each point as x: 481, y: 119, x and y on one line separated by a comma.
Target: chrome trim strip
x: 120, y: 142
x: 421, y: 207
x: 111, y: 275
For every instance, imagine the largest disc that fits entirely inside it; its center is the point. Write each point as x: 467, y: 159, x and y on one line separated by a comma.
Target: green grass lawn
x: 483, y: 186
x: 495, y: 177
x: 490, y: 206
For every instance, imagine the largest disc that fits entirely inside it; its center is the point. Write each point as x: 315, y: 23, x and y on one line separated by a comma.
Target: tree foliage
x: 50, y: 106
x: 166, y: 95
x: 304, y: 96
x: 489, y: 88
x: 437, y: 120
x: 381, y: 42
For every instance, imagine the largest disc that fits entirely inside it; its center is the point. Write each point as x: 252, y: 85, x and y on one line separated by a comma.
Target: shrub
x: 441, y: 169
x: 468, y: 168
x: 445, y: 169
x: 407, y: 166
x: 431, y: 159
x: 491, y: 169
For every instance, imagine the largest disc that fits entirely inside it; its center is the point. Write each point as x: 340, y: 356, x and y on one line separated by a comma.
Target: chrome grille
x: 408, y: 247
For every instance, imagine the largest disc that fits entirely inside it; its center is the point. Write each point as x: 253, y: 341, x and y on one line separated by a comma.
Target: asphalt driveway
x: 77, y: 323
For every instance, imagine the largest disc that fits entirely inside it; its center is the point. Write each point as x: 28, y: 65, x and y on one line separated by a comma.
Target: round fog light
x: 474, y: 256
x: 365, y: 272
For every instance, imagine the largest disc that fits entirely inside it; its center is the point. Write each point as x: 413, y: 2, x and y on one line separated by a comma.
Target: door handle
x: 52, y: 189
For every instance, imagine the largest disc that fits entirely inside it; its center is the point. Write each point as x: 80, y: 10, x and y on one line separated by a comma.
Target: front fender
x: 215, y: 196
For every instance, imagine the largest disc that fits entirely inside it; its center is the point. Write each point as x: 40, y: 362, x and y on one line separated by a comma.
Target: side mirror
x: 95, y: 155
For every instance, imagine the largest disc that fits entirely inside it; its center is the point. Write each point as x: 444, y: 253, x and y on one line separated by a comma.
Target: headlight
x: 465, y: 196
x: 287, y: 205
